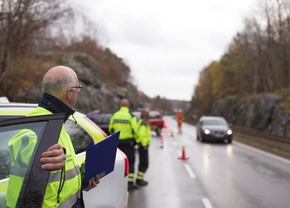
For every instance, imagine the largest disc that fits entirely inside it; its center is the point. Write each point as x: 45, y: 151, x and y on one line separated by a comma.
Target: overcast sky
x: 166, y: 43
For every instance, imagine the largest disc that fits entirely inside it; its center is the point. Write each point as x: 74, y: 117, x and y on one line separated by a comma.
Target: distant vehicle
x: 111, y: 192
x: 155, y: 119
x: 213, y: 129
x: 102, y: 120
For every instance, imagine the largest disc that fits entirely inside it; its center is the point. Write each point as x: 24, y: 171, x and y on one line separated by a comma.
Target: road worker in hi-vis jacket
x: 143, y: 140
x: 64, y: 187
x: 123, y: 121
x: 179, y: 118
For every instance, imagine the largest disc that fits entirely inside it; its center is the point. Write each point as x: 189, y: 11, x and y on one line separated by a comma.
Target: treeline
x: 257, y: 60
x: 28, y: 27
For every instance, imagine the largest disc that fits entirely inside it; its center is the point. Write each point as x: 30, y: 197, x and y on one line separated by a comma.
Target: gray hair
x: 58, y: 86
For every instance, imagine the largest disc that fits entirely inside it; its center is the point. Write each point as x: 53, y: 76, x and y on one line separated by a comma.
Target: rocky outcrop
x: 95, y: 93
x: 263, y: 113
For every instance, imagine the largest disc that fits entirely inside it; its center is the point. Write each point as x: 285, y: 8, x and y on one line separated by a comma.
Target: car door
x: 46, y: 130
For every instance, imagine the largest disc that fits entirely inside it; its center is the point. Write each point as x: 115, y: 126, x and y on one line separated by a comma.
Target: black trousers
x: 143, y: 159
x: 129, y: 151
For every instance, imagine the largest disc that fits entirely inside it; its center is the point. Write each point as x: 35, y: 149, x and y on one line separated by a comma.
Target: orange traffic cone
x: 172, y: 135
x: 164, y: 126
x: 162, y: 139
x: 183, y: 155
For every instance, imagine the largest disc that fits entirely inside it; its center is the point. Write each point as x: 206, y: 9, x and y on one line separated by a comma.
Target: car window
x: 80, y: 137
x: 106, y: 120
x: 97, y: 120
x: 153, y: 115
x: 214, y: 122
x: 101, y: 119
x: 137, y: 115
x: 22, y: 141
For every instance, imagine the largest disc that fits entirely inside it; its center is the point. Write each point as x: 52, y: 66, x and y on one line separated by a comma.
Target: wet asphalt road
x: 214, y: 176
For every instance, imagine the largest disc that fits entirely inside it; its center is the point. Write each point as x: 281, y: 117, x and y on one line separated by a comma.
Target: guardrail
x: 261, y: 134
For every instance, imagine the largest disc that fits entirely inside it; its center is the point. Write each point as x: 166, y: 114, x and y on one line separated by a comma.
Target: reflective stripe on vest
x: 69, y: 174
x: 20, y: 172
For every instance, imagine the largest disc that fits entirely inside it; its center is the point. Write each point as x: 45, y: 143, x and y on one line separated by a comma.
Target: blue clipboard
x: 100, y: 157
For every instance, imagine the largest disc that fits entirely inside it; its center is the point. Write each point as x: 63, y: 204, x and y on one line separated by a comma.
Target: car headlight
x: 229, y: 132
x: 207, y: 131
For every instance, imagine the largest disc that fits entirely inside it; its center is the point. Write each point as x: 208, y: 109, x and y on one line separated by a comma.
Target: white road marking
x: 206, y: 203
x: 189, y: 171
x: 262, y: 152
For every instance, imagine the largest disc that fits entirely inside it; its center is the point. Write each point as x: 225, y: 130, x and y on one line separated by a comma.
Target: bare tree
x: 21, y: 20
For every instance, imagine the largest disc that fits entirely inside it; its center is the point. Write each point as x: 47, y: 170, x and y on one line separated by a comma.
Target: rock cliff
x: 95, y: 93
x: 264, y: 113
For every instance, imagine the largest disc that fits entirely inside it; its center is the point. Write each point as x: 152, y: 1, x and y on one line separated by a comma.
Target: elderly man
x: 60, y: 88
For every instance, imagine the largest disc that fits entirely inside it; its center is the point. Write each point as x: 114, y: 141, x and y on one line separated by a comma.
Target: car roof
x: 156, y: 112
x: 22, y: 106
x: 15, y: 104
x: 212, y: 118
x: 150, y: 112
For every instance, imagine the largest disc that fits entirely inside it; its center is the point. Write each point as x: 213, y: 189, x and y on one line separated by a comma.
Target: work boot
x: 141, y: 182
x: 132, y: 186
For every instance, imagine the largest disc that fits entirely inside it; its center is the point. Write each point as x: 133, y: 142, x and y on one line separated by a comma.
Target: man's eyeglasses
x: 80, y: 87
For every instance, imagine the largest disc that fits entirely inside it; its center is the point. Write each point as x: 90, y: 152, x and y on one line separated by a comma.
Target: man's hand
x: 93, y: 182
x: 53, y: 158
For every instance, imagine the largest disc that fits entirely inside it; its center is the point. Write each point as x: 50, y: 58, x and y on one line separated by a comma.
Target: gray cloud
x: 167, y: 43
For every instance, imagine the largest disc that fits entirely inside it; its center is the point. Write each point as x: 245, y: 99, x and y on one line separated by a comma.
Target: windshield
x: 215, y: 122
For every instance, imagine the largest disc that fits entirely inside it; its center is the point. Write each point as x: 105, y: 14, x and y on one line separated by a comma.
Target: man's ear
x: 69, y: 94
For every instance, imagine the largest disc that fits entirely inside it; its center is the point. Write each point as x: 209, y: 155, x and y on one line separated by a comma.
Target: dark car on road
x: 213, y: 129
x: 102, y: 120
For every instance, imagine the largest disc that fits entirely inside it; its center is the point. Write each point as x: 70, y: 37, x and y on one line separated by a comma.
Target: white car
x: 110, y: 193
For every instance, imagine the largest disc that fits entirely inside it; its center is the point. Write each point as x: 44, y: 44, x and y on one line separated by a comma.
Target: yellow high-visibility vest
x: 143, y: 134
x: 124, y: 122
